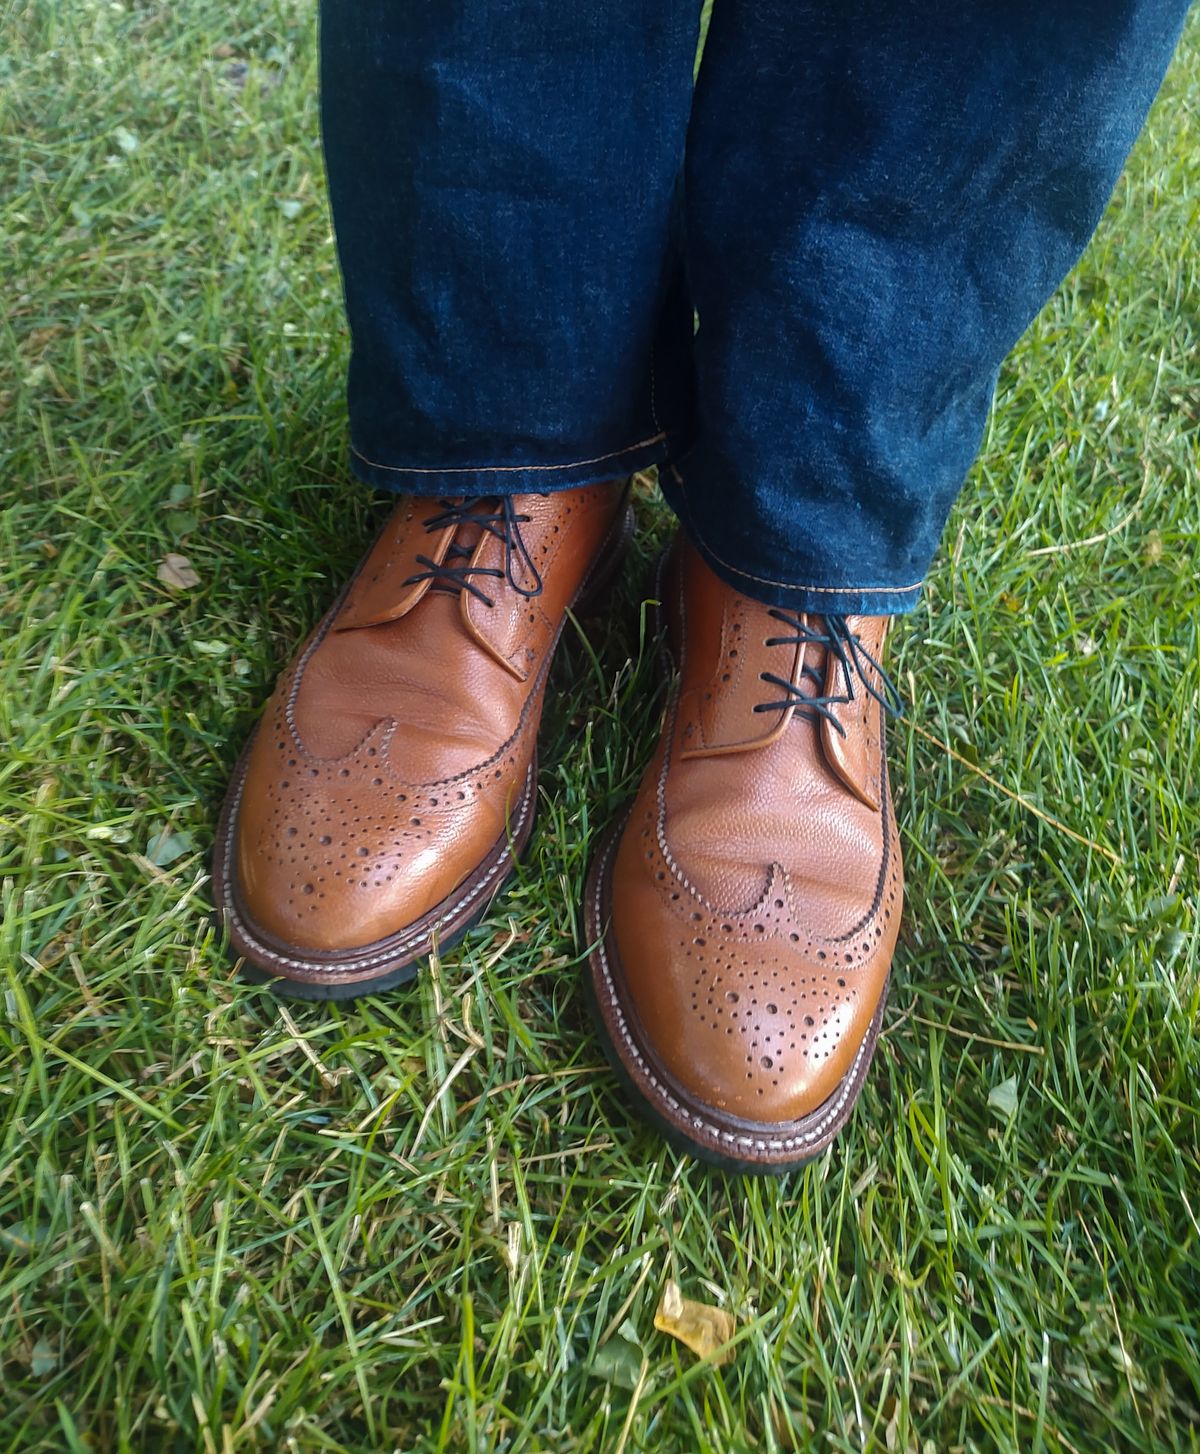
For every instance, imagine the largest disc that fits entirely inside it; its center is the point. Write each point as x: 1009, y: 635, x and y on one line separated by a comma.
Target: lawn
x: 425, y: 1221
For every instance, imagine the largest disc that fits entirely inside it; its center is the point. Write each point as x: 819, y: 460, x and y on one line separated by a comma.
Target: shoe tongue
x: 462, y: 547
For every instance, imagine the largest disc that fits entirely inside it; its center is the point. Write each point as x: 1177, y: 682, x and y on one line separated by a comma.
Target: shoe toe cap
x: 336, y: 856
x: 740, y: 1011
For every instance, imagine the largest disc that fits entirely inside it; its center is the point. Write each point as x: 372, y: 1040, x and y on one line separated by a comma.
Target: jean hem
x: 824, y: 599
x: 502, y: 478
x: 842, y: 600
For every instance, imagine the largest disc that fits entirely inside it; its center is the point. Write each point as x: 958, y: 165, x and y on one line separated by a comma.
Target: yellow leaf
x: 702, y: 1328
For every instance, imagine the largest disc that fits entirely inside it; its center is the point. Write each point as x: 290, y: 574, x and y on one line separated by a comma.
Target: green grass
x: 425, y: 1222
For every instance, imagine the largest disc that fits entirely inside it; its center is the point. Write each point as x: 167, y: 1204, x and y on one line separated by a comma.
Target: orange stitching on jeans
x: 767, y: 580
x: 503, y: 469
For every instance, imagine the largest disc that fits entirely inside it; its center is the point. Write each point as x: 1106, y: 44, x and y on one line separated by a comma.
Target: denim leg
x: 505, y: 176
x: 879, y: 199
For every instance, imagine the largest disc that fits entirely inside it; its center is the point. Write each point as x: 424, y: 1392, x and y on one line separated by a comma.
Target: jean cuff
x: 819, y: 598
x: 513, y: 478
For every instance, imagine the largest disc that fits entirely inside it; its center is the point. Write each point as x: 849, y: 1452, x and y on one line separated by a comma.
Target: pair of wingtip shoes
x: 743, y: 915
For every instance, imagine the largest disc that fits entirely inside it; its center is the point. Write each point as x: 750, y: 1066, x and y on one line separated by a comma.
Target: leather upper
x: 394, y: 749
x: 757, y: 888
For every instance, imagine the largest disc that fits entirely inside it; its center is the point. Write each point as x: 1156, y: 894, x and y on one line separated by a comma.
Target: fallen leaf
x: 701, y: 1327
x: 42, y: 1359
x: 176, y: 571
x: 166, y: 847
x: 1002, y: 1098
x: 618, y: 1361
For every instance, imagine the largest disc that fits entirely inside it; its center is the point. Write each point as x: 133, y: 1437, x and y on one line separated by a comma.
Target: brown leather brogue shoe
x: 391, y: 782
x: 744, y: 915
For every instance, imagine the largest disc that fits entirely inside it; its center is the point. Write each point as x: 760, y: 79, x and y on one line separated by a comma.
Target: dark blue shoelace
x: 852, y: 656
x: 496, y: 516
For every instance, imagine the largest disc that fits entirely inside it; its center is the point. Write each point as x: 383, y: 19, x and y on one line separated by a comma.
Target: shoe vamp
x: 452, y: 704
x: 732, y: 822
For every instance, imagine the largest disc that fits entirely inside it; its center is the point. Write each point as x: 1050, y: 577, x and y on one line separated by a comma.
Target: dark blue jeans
x: 863, y: 204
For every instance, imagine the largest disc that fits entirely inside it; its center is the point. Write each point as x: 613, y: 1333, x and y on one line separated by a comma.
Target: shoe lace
x: 851, y: 655
x: 496, y: 516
